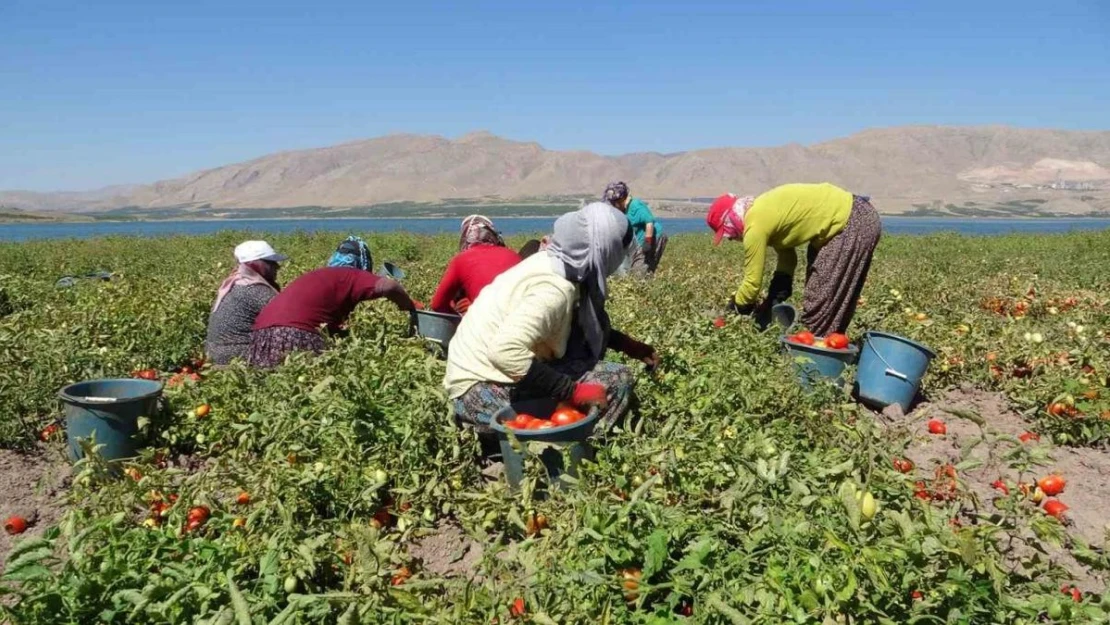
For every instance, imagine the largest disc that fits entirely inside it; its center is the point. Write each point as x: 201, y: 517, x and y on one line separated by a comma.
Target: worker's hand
x: 781, y: 288
x: 417, y: 304
x: 589, y: 394
x: 736, y: 309
x: 462, y: 305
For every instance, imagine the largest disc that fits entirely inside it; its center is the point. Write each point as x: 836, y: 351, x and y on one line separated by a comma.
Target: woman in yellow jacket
x: 840, y: 229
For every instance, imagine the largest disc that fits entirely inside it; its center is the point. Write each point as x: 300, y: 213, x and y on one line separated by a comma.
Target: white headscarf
x: 586, y: 247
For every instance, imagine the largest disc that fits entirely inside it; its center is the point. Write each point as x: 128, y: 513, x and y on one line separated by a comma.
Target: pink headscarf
x: 253, y: 272
x: 733, y: 223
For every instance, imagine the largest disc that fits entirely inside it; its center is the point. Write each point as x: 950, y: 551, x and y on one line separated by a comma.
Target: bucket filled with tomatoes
x: 563, y: 430
x: 820, y: 358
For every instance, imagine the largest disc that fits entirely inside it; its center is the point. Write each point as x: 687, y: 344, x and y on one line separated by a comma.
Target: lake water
x: 521, y: 225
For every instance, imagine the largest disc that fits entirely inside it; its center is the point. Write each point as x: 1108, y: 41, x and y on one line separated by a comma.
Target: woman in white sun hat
x: 240, y: 298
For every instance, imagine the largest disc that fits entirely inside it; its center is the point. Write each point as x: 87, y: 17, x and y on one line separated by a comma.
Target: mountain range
x: 913, y: 168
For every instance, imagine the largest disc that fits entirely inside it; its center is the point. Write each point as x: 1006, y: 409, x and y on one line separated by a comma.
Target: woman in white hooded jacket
x: 540, y: 329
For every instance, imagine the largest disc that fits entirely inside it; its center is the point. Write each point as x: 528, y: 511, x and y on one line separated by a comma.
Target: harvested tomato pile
x: 833, y: 341
x: 563, y: 415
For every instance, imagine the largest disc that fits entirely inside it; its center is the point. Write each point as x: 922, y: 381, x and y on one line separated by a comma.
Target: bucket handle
x: 890, y: 370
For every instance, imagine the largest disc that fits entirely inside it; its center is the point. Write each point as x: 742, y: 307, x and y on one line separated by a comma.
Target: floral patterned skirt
x: 269, y: 346
x: 835, y: 273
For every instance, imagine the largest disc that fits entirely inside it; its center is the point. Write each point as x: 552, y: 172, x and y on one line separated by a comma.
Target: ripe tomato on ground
x: 1055, y: 508
x: 936, y: 426
x: 15, y: 525
x: 1052, y: 485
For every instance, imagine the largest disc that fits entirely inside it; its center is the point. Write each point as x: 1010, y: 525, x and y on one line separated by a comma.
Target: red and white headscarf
x: 726, y: 216
x: 477, y: 229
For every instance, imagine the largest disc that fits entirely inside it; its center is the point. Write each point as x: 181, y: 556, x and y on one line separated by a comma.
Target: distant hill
x: 927, y: 169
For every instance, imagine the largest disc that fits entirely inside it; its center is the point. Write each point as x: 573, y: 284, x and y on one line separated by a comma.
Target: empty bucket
x: 569, y: 441
x: 436, y: 328
x: 108, y: 410
x: 890, y: 369
x: 817, y: 364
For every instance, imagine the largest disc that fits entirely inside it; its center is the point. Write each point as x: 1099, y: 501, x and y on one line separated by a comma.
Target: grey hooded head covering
x: 587, y: 246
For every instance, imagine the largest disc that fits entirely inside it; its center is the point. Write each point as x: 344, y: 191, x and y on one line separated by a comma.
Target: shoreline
x: 659, y: 214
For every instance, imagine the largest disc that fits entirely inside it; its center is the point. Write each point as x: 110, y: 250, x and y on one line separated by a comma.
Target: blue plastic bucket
x: 436, y: 328
x: 564, y: 447
x: 108, y: 410
x: 819, y: 364
x: 890, y: 369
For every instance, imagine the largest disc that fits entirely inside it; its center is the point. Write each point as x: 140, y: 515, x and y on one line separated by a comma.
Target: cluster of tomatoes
x: 563, y: 415
x: 832, y: 341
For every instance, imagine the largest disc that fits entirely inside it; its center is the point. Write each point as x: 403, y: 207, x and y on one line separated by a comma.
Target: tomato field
x: 338, y: 489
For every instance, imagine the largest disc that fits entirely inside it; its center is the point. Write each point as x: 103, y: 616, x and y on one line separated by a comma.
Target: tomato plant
x: 730, y: 495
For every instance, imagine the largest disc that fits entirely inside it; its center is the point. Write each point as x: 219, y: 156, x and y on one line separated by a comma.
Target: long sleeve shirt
x: 523, y: 315
x: 469, y: 272
x: 325, y: 298
x: 784, y: 218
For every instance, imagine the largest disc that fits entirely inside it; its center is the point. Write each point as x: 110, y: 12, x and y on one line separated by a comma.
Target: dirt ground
x: 1087, y: 471
x: 448, y: 552
x: 32, y: 485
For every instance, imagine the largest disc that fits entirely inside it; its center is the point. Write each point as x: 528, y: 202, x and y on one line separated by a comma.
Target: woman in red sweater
x: 482, y: 257
x: 320, y: 300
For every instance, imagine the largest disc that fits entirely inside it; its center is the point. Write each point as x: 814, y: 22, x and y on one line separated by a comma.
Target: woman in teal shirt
x: 650, y: 240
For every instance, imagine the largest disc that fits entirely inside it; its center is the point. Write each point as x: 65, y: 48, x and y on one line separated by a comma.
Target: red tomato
x: 243, y: 499
x: 917, y: 595
x: 836, y: 341
x: 999, y: 485
x: 903, y: 465
x: 566, y: 416
x: 1074, y: 592
x: 1028, y: 436
x: 719, y: 322
x: 804, y: 337
x: 518, y: 607
x: 199, y: 514
x: 936, y: 426
x: 48, y: 432
x: 1052, y: 485
x: 15, y: 525
x: 1055, y: 508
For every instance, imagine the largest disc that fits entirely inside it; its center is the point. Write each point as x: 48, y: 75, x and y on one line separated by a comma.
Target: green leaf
x: 656, y: 554
x: 27, y: 573
x: 238, y: 603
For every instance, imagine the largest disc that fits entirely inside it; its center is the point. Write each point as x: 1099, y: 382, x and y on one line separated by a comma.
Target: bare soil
x: 985, y: 448
x: 448, y: 552
x: 33, y: 486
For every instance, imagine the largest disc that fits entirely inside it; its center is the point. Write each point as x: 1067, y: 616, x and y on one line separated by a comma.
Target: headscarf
x: 253, y: 272
x: 615, y: 193
x: 586, y: 247
x: 353, y: 252
x: 734, y: 219
x: 478, y: 229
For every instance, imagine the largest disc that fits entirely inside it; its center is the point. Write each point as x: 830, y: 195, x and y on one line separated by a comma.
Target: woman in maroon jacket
x: 318, y: 300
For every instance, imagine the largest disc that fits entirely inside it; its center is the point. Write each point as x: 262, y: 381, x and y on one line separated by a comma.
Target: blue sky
x: 104, y: 92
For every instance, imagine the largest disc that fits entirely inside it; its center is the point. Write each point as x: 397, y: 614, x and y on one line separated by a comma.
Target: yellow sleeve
x: 755, y: 255
x: 788, y: 260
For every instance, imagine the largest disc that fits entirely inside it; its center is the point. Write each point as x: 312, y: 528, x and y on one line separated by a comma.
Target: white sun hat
x: 247, y: 251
